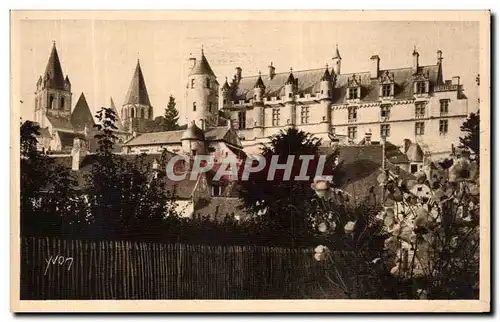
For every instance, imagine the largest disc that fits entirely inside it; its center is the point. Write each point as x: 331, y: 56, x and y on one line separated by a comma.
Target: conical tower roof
x: 291, y: 78
x: 53, y: 71
x: 82, y: 115
x: 118, y: 122
x: 137, y: 92
x: 193, y: 132
x: 337, y: 53
x: 202, y: 67
x: 326, y: 75
x: 226, y: 86
x: 259, y: 83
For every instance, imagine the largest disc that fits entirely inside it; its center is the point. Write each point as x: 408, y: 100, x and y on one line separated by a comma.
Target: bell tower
x: 53, y: 91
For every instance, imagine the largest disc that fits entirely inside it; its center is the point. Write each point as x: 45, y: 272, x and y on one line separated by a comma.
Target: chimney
x: 272, y: 71
x: 78, y: 152
x: 374, y: 66
x: 455, y: 80
x: 415, y: 61
x: 238, y: 74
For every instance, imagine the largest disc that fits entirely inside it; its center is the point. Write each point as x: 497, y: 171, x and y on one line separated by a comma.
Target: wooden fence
x: 73, y: 269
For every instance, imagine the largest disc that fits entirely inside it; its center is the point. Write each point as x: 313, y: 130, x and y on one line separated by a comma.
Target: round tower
x: 225, y: 93
x: 290, y: 91
x: 202, y: 96
x: 337, y: 60
x: 193, y: 140
x: 326, y: 98
x: 258, y: 102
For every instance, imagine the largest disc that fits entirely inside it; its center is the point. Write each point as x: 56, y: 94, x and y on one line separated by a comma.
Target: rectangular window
x: 385, y: 130
x: 419, y: 128
x: 304, y: 114
x: 353, y: 93
x: 194, y: 106
x: 353, y: 114
x: 385, y: 111
x: 443, y: 106
x: 352, y: 132
x: 419, y: 110
x: 420, y: 87
x: 208, y: 83
x: 276, y: 116
x: 290, y: 95
x: 242, y: 120
x: 386, y: 90
x: 443, y: 127
x: 413, y: 168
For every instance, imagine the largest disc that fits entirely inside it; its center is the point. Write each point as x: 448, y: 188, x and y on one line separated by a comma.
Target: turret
x: 326, y: 98
x: 193, y: 140
x: 259, y: 90
x: 290, y: 91
x: 224, y: 96
x: 337, y: 60
x: 202, y: 91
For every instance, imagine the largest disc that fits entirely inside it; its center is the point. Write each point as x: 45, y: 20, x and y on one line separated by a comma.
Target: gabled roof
x: 53, y: 71
x: 202, y: 67
x: 415, y: 153
x: 67, y: 139
x: 193, y: 132
x: 308, y: 82
x: 82, y: 115
x: 137, y: 92
x: 154, y: 138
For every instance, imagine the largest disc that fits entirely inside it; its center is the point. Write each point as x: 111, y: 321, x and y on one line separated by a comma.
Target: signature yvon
x: 58, y: 260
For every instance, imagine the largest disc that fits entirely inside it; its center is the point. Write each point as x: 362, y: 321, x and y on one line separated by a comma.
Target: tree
x: 171, y: 116
x: 284, y: 204
x: 471, y: 129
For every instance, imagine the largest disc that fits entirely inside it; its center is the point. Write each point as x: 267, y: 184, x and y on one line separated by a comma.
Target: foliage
x: 472, y: 134
x: 430, y: 238
x: 284, y: 204
x: 171, y: 116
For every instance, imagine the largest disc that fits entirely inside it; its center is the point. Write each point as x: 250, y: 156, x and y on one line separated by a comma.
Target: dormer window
x: 386, y: 84
x: 421, y: 83
x: 420, y: 86
x: 353, y: 93
x: 354, y: 87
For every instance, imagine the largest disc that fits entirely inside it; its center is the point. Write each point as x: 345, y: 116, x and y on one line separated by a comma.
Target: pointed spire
x: 291, y: 79
x: 201, y: 66
x: 53, y: 71
x: 337, y: 53
x: 225, y: 86
x: 137, y: 92
x: 81, y: 115
x: 326, y: 75
x: 118, y: 122
x: 259, y: 83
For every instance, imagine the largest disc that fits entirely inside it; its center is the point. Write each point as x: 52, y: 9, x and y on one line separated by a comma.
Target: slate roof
x: 82, y: 115
x: 62, y: 123
x: 53, y: 71
x: 44, y: 133
x: 154, y: 138
x: 118, y: 122
x: 193, y: 132
x: 308, y: 82
x: 202, y: 67
x: 68, y: 137
x: 137, y: 92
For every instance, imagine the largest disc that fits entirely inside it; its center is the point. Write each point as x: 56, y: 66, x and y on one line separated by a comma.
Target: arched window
x: 132, y: 112
x: 142, y: 113
x: 208, y: 82
x: 62, y: 103
x: 192, y: 83
x: 194, y: 106
x: 51, y: 101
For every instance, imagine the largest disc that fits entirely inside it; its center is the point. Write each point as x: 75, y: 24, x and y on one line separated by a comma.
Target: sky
x: 100, y: 56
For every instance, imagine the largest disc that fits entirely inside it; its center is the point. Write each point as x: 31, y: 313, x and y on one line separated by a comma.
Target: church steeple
x: 137, y: 105
x: 137, y: 92
x: 53, y: 91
